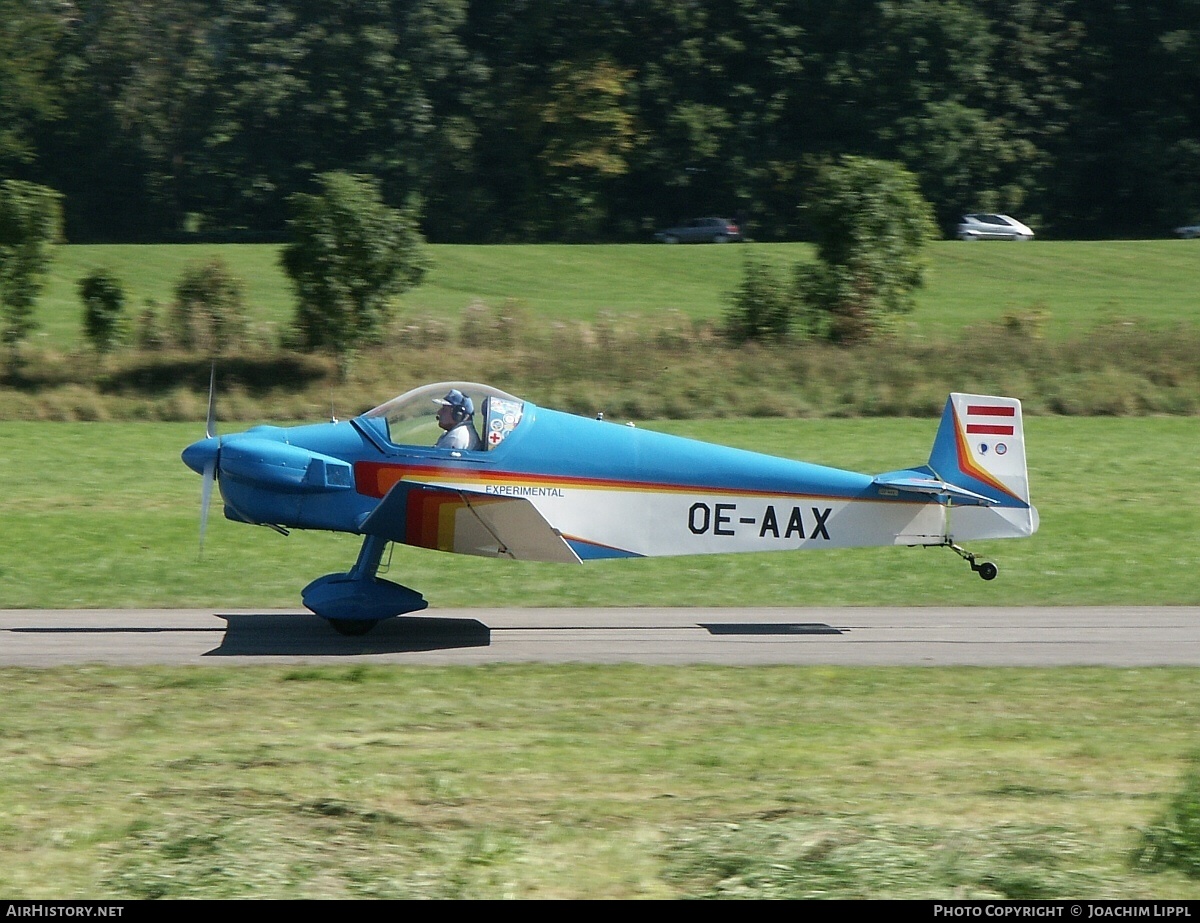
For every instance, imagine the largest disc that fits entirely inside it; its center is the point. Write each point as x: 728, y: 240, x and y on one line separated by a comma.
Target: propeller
x: 210, y: 425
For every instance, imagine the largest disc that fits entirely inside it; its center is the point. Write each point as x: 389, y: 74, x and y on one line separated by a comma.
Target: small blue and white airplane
x: 542, y: 485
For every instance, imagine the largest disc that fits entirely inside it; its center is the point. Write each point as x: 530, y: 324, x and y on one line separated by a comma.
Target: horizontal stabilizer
x: 913, y: 481
x: 467, y: 522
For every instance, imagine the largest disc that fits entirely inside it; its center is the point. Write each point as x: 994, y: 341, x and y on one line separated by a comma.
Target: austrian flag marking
x: 985, y: 419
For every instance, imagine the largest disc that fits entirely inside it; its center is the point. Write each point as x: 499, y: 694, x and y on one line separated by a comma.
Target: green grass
x: 1077, y: 284
x: 107, y: 515
x: 589, y: 782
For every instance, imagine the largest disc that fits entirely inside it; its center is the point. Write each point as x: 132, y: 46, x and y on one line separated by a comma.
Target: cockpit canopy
x: 411, y: 418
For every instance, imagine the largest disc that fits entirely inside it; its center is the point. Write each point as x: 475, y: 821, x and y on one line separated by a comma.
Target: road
x: 1109, y: 636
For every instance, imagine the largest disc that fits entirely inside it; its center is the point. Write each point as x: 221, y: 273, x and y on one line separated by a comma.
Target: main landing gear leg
x: 986, y: 569
x: 369, y: 556
x: 355, y: 601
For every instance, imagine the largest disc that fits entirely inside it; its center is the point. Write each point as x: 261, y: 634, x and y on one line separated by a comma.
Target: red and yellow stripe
x: 966, y: 460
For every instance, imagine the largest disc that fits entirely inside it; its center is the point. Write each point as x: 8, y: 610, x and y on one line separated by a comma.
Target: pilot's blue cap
x: 456, y: 398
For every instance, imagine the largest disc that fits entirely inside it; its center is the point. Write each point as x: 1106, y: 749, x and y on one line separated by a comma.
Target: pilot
x: 454, y: 416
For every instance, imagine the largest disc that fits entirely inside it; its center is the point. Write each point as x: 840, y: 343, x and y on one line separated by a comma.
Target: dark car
x: 701, y: 231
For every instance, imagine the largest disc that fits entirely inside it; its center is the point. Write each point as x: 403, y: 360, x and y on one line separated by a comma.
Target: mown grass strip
x: 578, y: 781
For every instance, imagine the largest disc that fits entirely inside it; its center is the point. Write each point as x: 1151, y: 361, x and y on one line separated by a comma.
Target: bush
x: 209, y: 313
x: 1174, y: 842
x: 30, y: 225
x: 149, y: 334
x: 103, y: 304
x: 761, y: 309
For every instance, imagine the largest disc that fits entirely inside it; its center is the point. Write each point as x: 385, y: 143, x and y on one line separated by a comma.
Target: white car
x: 992, y: 227
x: 1188, y: 231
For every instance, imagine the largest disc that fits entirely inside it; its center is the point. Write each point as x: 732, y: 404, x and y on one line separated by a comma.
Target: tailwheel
x: 352, y: 628
x: 986, y: 569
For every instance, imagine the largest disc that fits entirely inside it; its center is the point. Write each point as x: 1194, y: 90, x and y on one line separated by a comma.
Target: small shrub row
x: 208, y: 313
x: 669, y: 368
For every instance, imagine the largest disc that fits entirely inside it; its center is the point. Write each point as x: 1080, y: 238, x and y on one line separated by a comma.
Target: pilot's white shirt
x: 463, y: 436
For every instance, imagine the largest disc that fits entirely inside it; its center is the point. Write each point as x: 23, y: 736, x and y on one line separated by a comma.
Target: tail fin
x: 980, y: 447
x: 976, y: 471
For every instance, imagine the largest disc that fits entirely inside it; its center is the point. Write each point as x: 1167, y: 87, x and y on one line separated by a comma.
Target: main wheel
x: 352, y: 628
x: 987, y: 570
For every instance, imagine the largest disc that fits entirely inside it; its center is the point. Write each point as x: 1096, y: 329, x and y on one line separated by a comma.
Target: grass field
x: 1076, y: 284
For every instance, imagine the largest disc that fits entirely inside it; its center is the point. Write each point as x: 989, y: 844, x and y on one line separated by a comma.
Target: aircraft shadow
x: 291, y: 635
x: 769, y: 628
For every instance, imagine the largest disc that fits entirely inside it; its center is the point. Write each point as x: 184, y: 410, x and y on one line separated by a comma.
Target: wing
x: 467, y: 522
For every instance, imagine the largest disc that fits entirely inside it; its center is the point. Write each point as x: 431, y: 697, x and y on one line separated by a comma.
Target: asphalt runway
x: 1060, y: 636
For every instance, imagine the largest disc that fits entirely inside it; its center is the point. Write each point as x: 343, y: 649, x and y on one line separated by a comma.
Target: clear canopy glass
x: 411, y: 418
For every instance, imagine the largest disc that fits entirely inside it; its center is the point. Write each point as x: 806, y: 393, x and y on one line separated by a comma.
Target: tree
x: 871, y: 223
x: 103, y: 302
x: 30, y: 94
x: 378, y: 87
x: 590, y: 135
x: 30, y: 225
x: 138, y: 84
x: 349, y: 255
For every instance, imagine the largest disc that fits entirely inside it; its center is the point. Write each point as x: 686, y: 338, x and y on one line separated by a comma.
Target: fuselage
x: 610, y: 490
